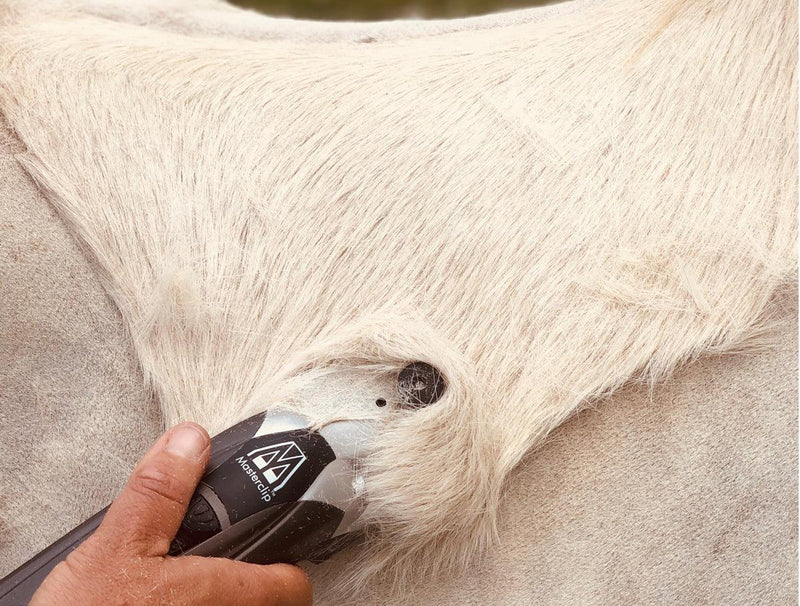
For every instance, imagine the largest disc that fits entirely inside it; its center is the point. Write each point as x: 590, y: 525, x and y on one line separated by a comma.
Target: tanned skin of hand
x: 125, y: 561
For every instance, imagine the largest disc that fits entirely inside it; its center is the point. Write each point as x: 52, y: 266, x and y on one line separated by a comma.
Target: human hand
x: 125, y: 561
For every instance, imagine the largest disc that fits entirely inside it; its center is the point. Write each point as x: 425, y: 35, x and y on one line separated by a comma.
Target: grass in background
x: 369, y: 10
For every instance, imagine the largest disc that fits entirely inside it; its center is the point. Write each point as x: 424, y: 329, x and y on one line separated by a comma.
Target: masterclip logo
x: 270, y: 467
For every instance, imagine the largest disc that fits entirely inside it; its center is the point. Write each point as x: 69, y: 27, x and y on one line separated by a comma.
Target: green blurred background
x: 367, y: 10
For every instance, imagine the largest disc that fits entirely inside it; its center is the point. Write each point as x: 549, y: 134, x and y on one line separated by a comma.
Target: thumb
x: 146, y: 515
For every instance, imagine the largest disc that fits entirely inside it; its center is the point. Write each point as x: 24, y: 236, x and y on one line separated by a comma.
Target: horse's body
x: 545, y: 205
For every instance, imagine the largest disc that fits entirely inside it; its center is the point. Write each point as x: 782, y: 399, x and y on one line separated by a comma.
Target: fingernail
x: 186, y: 441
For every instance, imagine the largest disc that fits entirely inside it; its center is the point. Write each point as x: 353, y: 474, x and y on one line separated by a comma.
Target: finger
x: 224, y: 582
x: 146, y: 515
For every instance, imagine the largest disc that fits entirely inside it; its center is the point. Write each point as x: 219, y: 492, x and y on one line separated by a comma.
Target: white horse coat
x: 546, y: 206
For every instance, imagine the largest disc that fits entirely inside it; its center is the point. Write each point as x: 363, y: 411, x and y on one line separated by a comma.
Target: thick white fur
x: 545, y: 206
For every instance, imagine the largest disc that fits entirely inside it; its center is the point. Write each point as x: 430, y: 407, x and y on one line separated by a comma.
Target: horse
x: 583, y: 215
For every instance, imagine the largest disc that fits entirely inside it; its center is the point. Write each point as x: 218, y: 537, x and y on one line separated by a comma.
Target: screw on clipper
x: 420, y: 384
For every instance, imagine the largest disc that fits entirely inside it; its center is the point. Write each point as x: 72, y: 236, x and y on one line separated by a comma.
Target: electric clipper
x: 275, y: 490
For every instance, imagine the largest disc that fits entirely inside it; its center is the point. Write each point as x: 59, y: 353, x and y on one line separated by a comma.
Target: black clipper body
x: 275, y: 490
